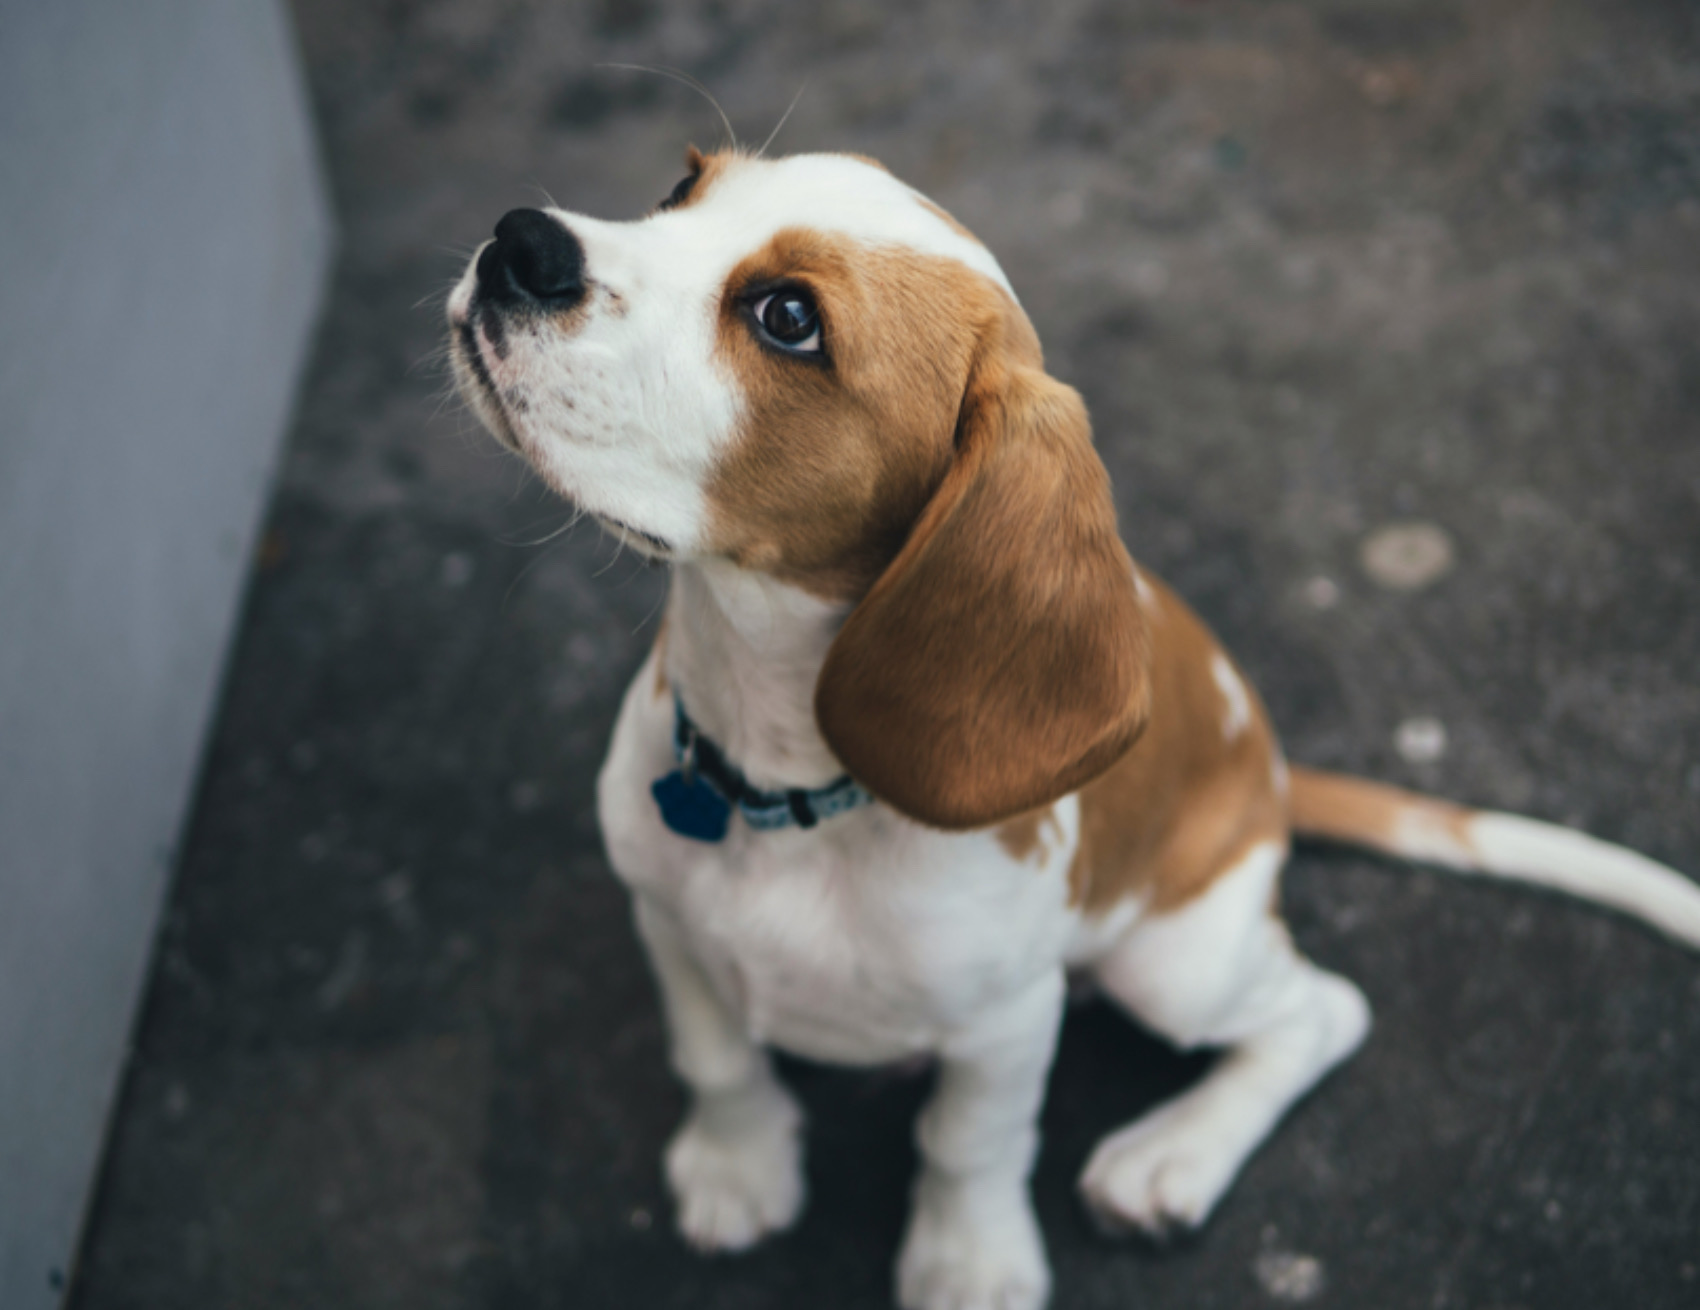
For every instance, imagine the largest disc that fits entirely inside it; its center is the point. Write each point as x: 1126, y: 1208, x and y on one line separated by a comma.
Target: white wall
x: 163, y: 239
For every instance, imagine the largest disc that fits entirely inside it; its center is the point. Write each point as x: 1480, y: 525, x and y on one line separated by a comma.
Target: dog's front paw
x: 972, y: 1247
x: 1160, y: 1176
x: 736, y: 1172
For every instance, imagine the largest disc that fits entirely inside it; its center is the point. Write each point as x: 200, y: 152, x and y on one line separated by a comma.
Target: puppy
x: 917, y: 739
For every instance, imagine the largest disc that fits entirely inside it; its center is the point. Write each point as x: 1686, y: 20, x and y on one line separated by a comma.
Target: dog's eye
x: 679, y: 194
x: 791, y: 319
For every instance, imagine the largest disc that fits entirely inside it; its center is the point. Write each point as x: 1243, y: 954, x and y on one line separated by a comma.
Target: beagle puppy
x: 917, y: 739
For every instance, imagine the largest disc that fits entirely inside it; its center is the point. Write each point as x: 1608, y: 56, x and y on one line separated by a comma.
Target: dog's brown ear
x: 1000, y: 662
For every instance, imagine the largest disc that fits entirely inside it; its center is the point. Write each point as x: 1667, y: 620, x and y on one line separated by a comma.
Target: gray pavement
x: 1318, y: 268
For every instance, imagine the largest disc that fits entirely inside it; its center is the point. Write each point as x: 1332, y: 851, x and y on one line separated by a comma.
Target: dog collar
x: 697, y: 798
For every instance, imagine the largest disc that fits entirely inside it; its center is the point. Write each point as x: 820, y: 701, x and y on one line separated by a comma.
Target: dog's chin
x: 479, y: 389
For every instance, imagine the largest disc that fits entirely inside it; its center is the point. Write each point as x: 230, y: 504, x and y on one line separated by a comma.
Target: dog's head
x: 807, y: 368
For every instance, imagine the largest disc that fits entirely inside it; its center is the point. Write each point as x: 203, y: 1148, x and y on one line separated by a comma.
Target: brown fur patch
x: 999, y: 663
x: 1183, y: 804
x: 837, y: 456
x: 1371, y: 813
x: 1026, y: 834
x: 707, y: 169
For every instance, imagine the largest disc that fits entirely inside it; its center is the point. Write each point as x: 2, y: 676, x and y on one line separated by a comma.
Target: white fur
x: 1147, y: 597
x: 751, y: 662
x: 1236, y: 700
x: 1545, y: 855
x: 1527, y: 850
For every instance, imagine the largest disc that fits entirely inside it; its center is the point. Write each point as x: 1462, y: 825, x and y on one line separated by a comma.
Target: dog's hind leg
x: 1218, y: 971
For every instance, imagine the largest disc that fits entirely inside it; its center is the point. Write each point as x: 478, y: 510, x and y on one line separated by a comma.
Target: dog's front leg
x: 973, y: 1243
x: 735, y: 1164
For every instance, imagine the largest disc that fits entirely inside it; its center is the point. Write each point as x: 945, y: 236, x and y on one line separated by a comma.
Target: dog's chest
x: 867, y: 940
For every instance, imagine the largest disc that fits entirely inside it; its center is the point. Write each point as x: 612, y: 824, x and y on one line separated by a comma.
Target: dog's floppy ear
x: 1000, y: 662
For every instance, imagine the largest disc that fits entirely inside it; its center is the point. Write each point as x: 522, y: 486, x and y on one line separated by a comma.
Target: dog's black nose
x: 533, y: 259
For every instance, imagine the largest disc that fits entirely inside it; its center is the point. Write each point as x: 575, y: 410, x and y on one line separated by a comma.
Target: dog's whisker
x: 437, y: 358
x: 660, y: 602
x: 443, y: 400
x: 619, y: 550
x: 684, y: 79
x: 571, y: 523
x: 529, y: 567
x: 782, y: 119
x: 441, y: 295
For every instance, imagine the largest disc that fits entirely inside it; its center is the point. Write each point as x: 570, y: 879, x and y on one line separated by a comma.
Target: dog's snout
x: 533, y: 259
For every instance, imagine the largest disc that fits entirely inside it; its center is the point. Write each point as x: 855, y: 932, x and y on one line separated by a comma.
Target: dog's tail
x: 1386, y: 819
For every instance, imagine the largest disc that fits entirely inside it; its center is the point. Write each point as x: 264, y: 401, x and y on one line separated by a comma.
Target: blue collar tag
x: 690, y: 807
x: 698, y: 797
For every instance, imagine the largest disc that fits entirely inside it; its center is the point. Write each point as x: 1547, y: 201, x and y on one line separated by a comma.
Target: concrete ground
x: 1319, y: 268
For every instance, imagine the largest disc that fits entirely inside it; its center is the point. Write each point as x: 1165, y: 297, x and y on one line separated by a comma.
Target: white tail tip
x: 1573, y: 862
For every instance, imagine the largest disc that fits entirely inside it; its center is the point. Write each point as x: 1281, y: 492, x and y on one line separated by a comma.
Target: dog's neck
x: 743, y: 651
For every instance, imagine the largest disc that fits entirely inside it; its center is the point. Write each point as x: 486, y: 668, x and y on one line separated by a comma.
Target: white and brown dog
x: 917, y: 739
